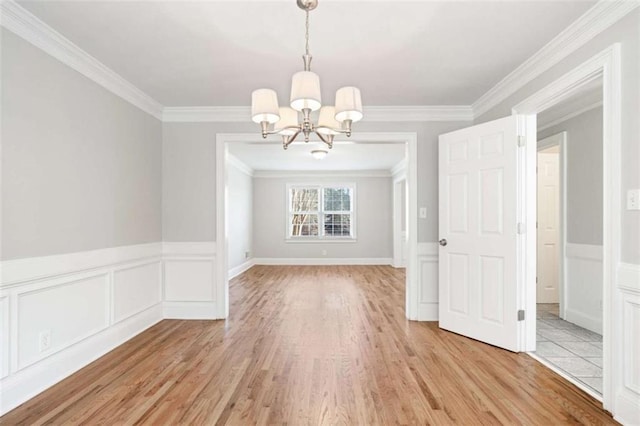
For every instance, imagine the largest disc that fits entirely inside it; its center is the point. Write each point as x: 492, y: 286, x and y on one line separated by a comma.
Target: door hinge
x: 521, y: 315
x: 520, y: 228
x: 522, y: 141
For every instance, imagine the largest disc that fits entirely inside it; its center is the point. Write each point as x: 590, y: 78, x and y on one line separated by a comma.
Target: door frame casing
x: 560, y: 140
x: 410, y: 139
x: 399, y: 185
x: 605, y: 65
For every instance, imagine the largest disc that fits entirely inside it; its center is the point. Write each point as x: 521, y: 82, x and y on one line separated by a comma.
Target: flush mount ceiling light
x: 305, y: 98
x: 319, y: 154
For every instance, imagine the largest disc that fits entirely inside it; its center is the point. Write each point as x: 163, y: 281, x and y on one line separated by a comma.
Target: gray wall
x: 627, y: 33
x: 374, y: 208
x: 241, y: 219
x: 188, y: 182
x: 80, y: 166
x: 584, y: 175
x: 189, y: 174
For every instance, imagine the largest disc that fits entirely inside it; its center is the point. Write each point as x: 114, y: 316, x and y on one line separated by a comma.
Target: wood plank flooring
x: 311, y: 345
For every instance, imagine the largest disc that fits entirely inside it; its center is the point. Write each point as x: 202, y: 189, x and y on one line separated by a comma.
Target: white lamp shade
x: 305, y: 91
x: 327, y: 121
x: 264, y: 106
x: 348, y: 104
x: 288, y: 117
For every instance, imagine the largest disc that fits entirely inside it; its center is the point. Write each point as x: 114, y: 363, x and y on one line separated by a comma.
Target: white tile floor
x: 573, y: 349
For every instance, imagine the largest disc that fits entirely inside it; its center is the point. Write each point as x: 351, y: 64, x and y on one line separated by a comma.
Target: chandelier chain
x: 307, y: 33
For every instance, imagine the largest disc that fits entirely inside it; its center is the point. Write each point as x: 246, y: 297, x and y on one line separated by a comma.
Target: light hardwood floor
x: 311, y: 345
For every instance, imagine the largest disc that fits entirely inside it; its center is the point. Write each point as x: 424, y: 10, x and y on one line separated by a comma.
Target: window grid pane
x: 304, y: 199
x: 304, y: 225
x: 337, y: 225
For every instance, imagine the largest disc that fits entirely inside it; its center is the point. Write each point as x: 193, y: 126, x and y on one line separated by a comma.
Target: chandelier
x: 305, y: 98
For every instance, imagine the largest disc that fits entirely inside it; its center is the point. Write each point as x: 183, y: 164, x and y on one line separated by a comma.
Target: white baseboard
x: 27, y: 383
x: 322, y: 261
x: 234, y: 272
x: 191, y: 311
x: 583, y: 320
x: 428, y: 312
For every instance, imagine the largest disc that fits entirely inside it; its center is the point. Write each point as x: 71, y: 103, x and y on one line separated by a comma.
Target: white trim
x: 589, y: 322
x: 569, y: 116
x: 24, y: 24
x: 321, y: 261
x: 629, y: 277
x: 326, y: 240
x: 566, y: 376
x: 605, y: 65
x: 243, y: 267
x: 20, y: 271
x: 428, y: 280
x: 190, y: 310
x: 27, y: 383
x: 409, y: 138
x: 239, y: 165
x: 204, y: 248
x: 284, y: 174
x: 584, y: 251
x: 242, y: 114
x: 399, y: 169
x: 597, y: 19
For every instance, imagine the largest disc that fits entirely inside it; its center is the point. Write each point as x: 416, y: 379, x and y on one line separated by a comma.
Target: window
x: 321, y: 212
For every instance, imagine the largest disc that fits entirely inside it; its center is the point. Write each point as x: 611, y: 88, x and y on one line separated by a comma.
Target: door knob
x: 443, y: 242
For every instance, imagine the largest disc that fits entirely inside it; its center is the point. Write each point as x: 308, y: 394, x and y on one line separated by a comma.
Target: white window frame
x: 321, y: 212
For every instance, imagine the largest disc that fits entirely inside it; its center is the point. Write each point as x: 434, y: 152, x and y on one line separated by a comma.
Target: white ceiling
x: 344, y: 156
x: 201, y: 53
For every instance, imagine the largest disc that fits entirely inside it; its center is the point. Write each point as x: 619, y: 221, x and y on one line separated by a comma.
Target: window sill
x: 320, y: 240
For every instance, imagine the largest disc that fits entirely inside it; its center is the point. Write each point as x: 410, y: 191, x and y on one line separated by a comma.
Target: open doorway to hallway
x: 569, y: 238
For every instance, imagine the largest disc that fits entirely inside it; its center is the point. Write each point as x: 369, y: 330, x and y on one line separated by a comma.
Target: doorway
x: 409, y: 139
x: 570, y: 285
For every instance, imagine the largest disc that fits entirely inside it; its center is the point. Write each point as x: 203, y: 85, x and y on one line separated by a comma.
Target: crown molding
x: 24, y: 24
x: 597, y: 19
x: 301, y: 174
x: 371, y: 113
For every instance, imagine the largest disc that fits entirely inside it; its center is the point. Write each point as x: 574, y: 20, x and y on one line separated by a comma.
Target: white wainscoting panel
x: 627, y: 399
x: 428, y: 281
x: 136, y: 288
x: 69, y: 312
x: 583, y: 289
x: 190, y: 281
x: 4, y: 336
x: 72, y: 301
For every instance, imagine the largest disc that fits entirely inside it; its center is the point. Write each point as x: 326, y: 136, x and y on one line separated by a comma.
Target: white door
x: 548, y: 229
x: 477, y: 225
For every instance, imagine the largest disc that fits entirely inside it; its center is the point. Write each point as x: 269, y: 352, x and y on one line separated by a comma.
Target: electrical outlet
x: 246, y: 254
x: 423, y: 213
x: 45, y: 340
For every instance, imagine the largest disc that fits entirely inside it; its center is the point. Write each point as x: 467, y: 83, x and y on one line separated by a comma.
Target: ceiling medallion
x: 305, y: 98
